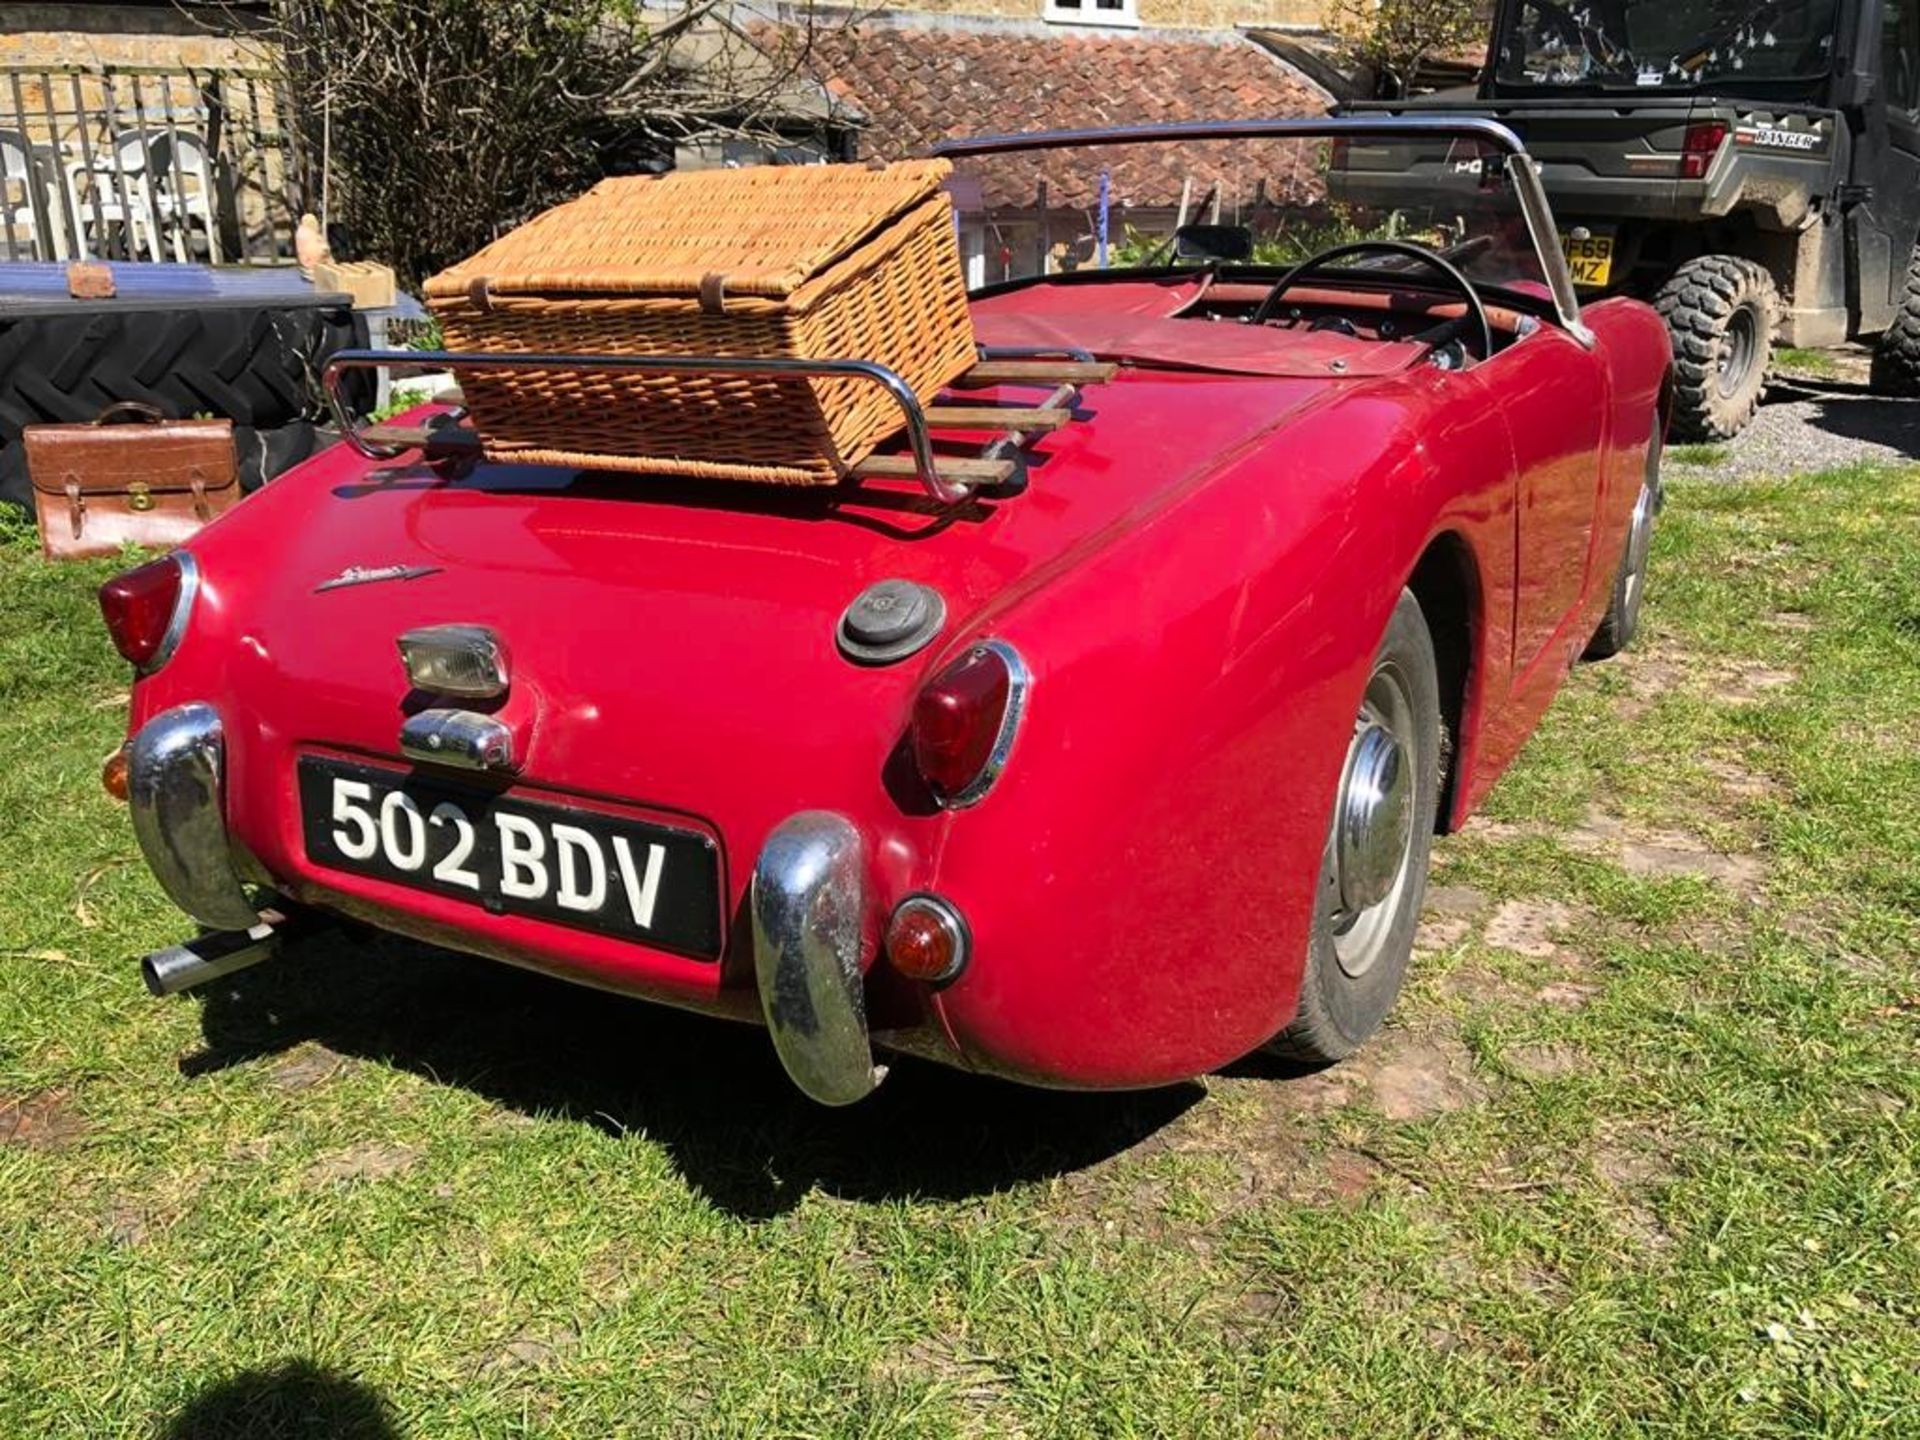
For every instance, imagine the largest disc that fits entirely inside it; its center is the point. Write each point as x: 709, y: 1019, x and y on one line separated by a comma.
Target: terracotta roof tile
x: 921, y: 80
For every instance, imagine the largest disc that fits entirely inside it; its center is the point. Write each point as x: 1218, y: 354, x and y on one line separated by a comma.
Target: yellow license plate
x: 1590, y: 258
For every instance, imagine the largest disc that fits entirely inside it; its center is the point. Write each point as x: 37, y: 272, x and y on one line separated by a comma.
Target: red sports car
x: 1094, y: 734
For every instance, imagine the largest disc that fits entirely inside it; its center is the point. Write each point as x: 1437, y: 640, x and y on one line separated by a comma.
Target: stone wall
x: 72, y: 76
x: 155, y: 35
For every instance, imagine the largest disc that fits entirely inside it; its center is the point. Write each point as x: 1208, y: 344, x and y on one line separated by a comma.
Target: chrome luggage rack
x: 1000, y: 466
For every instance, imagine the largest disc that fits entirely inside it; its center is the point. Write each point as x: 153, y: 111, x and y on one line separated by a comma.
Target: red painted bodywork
x: 1198, y: 578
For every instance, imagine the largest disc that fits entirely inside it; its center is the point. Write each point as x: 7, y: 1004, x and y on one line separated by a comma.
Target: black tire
x: 1896, y: 360
x: 1622, y: 620
x: 1721, y: 311
x: 256, y: 365
x: 1340, y: 1009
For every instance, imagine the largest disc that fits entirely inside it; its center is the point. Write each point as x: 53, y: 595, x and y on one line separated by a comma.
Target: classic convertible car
x: 1093, y: 734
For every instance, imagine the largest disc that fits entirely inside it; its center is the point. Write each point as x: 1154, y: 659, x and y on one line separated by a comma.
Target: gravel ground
x: 1807, y: 423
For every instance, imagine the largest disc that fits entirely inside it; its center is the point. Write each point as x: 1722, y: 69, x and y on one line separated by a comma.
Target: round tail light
x: 927, y: 939
x: 964, y: 720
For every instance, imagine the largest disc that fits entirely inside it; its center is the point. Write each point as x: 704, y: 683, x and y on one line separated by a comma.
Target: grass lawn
x: 1698, y: 457
x: 1639, y: 1154
x: 1815, y: 364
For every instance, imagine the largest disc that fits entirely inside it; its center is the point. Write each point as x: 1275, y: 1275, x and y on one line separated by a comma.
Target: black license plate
x: 655, y: 884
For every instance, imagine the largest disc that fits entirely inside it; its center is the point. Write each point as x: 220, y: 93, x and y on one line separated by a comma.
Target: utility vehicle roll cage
x: 949, y: 480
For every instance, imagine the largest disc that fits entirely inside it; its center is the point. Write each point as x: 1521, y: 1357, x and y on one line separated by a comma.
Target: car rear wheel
x: 1721, y: 311
x: 1373, y: 874
x: 1622, y: 620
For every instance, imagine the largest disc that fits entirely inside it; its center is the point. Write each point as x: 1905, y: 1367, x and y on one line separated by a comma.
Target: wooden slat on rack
x: 441, y: 438
x: 989, y: 417
x: 1039, y: 372
x: 965, y: 470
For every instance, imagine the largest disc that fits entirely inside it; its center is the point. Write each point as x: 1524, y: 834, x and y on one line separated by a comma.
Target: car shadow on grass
x: 292, y: 1401
x: 710, y: 1091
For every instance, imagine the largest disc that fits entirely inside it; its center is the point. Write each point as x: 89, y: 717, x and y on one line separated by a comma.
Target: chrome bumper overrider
x: 810, y: 933
x: 174, y: 770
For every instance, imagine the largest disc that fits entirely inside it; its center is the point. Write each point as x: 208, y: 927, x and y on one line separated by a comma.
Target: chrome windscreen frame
x: 1532, y: 195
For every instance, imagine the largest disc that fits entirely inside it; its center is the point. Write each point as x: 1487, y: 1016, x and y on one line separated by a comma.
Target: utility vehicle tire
x: 1373, y: 874
x: 1896, y: 360
x: 1622, y: 620
x: 1721, y: 311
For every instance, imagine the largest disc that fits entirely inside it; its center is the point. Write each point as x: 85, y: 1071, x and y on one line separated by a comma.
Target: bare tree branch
x: 448, y: 121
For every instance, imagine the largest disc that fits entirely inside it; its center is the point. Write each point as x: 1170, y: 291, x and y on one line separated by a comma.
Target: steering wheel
x: 1446, y: 269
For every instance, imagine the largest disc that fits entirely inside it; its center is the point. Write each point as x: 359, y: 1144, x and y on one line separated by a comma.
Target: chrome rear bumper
x: 174, y: 769
x: 812, y: 927
x: 811, y: 934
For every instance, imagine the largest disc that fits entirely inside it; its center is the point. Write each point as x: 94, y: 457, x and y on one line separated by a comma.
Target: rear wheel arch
x: 1447, y: 584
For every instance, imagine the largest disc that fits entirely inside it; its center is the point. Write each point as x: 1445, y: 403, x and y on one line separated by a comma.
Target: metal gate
x: 132, y: 162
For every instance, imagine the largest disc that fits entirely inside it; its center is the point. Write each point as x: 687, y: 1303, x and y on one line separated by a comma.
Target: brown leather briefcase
x: 152, y: 482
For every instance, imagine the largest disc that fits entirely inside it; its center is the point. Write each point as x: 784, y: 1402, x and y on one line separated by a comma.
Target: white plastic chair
x: 35, y: 201
x: 180, y: 171
x: 167, y: 175
x: 102, y: 205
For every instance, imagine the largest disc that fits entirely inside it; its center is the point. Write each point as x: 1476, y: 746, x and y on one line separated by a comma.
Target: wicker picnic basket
x: 810, y: 262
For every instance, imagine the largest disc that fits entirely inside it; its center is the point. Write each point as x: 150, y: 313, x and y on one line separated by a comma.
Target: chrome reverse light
x: 467, y: 661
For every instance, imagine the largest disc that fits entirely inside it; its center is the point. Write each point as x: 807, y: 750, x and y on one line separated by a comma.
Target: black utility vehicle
x: 1751, y: 166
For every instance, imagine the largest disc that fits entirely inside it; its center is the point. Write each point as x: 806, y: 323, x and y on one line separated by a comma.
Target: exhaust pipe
x: 182, y: 967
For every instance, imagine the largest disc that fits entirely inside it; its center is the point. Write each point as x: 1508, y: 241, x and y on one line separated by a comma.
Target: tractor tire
x: 1896, y: 360
x: 256, y: 364
x: 1721, y: 311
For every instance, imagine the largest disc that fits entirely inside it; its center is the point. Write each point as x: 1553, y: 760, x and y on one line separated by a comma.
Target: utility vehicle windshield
x: 1664, y: 44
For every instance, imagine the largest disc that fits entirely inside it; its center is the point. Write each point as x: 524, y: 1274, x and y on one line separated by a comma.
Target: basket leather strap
x: 76, y: 503
x: 201, y: 509
x: 713, y: 293
x: 478, y: 296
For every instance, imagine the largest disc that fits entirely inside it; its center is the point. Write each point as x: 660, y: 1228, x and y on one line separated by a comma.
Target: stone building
x: 888, y: 82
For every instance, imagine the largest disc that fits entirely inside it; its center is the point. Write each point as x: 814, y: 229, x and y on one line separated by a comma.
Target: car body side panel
x: 1632, y: 345
x: 1560, y: 466
x: 1140, y: 886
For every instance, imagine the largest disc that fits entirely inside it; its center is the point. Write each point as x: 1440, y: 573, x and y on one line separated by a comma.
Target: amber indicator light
x: 113, y: 775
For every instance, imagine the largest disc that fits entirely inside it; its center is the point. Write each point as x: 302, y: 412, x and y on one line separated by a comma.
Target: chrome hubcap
x: 1376, y: 809
x: 1373, y: 823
